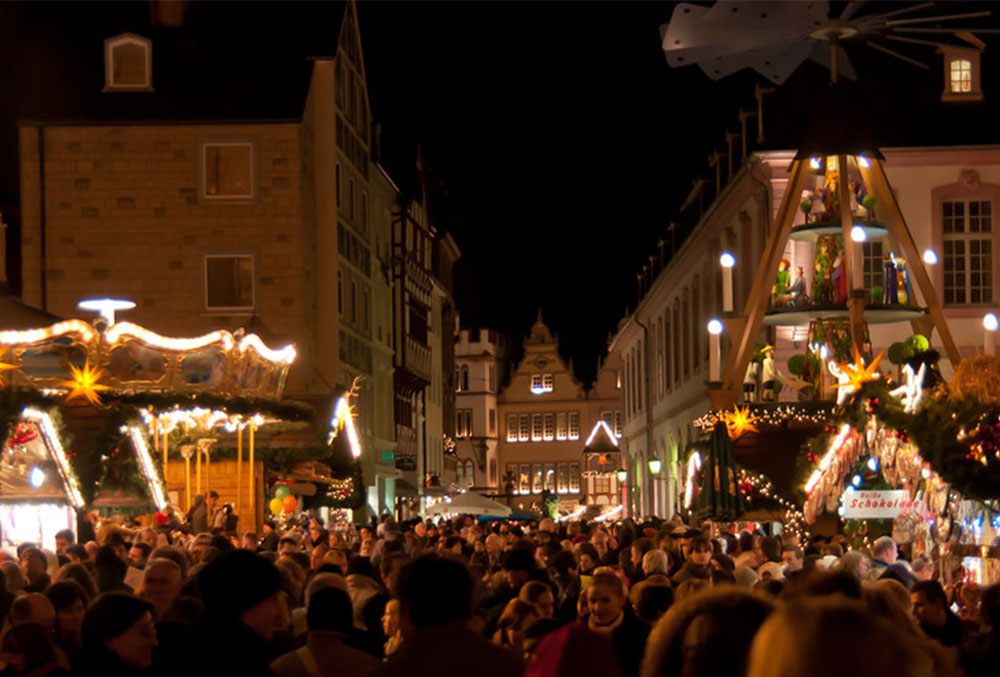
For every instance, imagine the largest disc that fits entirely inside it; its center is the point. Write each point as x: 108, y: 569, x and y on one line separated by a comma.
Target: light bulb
x: 930, y: 257
x: 727, y: 260
x: 858, y: 234
x: 990, y: 322
x: 714, y: 327
x: 36, y: 477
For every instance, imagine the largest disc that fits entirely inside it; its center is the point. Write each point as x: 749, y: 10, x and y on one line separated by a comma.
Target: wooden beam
x: 742, y: 343
x: 855, y: 303
x: 875, y: 178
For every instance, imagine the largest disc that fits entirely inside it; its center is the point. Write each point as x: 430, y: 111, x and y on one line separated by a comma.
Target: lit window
x: 574, y: 478
x: 229, y: 282
x: 493, y: 378
x: 960, y: 76
x: 967, y: 244
x: 525, y: 480
x: 550, y: 427
x: 561, y: 426
x: 525, y: 432
x: 563, y: 480
x: 874, y: 271
x: 512, y: 428
x: 536, y: 427
x: 536, y: 384
x: 128, y: 63
x: 574, y: 425
x: 536, y: 478
x: 618, y: 423
x: 547, y: 383
x: 493, y: 422
x: 463, y: 426
x: 550, y: 476
x: 227, y: 171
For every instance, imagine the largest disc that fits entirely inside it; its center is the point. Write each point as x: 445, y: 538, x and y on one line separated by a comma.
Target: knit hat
x: 236, y: 581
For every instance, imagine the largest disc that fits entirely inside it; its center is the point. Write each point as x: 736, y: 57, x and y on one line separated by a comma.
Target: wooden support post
x: 239, y: 469
x: 876, y: 180
x: 855, y: 303
x: 743, y: 331
x: 253, y: 513
x: 197, y: 472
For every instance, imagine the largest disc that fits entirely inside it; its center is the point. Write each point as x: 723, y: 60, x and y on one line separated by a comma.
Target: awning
x: 471, y: 503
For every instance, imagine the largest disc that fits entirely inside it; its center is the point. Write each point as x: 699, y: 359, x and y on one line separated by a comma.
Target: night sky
x: 563, y: 139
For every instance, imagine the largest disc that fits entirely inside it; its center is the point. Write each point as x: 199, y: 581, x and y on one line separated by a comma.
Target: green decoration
x: 281, y: 491
x: 550, y: 504
x: 900, y: 352
x: 919, y: 343
x: 797, y: 364
x: 868, y: 202
x: 876, y: 294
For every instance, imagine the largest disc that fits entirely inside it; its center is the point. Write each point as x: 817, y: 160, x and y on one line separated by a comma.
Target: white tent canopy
x: 470, y: 503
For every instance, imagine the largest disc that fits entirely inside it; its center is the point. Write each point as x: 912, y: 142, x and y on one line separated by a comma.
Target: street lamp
x: 106, y: 307
x: 622, y: 475
x: 655, y: 465
x: 727, y: 261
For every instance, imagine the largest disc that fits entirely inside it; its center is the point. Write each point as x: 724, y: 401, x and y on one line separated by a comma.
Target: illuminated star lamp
x: 343, y: 420
x: 85, y: 384
x: 850, y: 377
x: 739, y: 421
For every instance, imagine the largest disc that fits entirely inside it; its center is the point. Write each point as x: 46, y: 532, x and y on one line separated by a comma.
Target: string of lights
x: 770, y: 415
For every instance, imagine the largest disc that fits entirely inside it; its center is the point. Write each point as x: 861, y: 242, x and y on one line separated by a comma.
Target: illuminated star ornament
x: 911, y: 391
x: 739, y: 421
x: 85, y: 384
x: 850, y: 377
x: 5, y: 367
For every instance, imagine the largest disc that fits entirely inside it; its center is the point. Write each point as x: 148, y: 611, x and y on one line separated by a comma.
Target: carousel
x: 113, y: 416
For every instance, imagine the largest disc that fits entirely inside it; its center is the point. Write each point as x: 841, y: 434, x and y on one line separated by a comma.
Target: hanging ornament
x: 850, y: 377
x: 85, y: 384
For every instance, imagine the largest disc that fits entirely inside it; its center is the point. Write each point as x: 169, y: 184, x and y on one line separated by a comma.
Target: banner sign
x: 878, y: 504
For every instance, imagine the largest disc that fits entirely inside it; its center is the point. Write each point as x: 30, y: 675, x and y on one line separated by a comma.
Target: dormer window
x: 128, y: 64
x: 961, y: 70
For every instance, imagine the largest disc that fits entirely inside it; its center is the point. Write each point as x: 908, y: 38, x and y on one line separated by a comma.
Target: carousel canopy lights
x: 858, y: 234
x: 930, y: 257
x: 727, y: 260
x: 152, y: 338
x: 990, y: 322
x: 85, y: 330
x: 106, y: 307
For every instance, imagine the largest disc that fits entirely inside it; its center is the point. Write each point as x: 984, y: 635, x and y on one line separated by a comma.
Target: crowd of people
x: 543, y: 599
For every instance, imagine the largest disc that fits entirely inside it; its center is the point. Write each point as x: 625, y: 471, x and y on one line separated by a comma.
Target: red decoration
x: 23, y: 434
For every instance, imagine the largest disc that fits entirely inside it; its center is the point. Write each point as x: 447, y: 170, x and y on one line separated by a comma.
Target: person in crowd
x: 516, y: 617
x: 540, y: 596
x: 361, y: 584
x: 330, y: 619
x: 610, y: 614
x: 490, y: 557
x: 807, y: 636
x: 588, y: 558
x: 13, y: 576
x: 930, y: 607
x: 269, y: 541
x: 161, y: 585
x: 855, y: 563
x: 981, y: 651
x: 568, y: 587
x: 33, y: 607
x: 435, y: 597
x: 197, y: 516
x: 118, y: 636
x: 147, y: 536
x: 76, y: 554
x: 651, y: 600
x: 109, y: 571
x: 792, y: 556
x: 602, y: 544
x: 922, y: 569
x: 708, y: 634
x: 28, y: 650
x: 573, y: 649
x: 64, y: 538
x: 884, y: 554
x: 697, y: 564
x: 770, y: 549
x: 35, y: 566
x: 69, y: 600
x: 656, y: 566
x: 6, y: 598
x: 79, y: 574
x: 241, y: 592
x: 391, y: 627
x: 139, y: 554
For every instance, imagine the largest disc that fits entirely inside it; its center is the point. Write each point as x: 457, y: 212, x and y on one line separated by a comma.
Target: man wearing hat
x: 243, y: 607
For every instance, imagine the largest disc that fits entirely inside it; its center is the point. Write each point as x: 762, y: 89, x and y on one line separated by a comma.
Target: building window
x: 967, y: 243
x: 874, y: 274
x: 574, y: 478
x: 337, y: 184
x: 525, y: 483
x: 128, y: 63
x: 229, y: 282
x: 463, y: 379
x: 512, y: 428
x: 493, y: 422
x: 536, y: 427
x: 547, y: 383
x: 561, y: 426
x: 464, y: 423
x: 525, y: 432
x: 960, y: 76
x: 660, y: 341
x: 340, y: 293
x: 536, y: 478
x: 493, y: 378
x: 550, y: 427
x: 618, y: 423
x: 574, y: 425
x: 562, y: 483
x: 227, y: 171
x: 696, y: 323
x: 550, y: 476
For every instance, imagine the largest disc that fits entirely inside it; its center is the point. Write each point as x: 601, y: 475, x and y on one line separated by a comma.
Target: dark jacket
x: 949, y: 634
x: 269, y: 542
x: 40, y: 585
x: 629, y: 642
x: 448, y: 650
x: 691, y: 570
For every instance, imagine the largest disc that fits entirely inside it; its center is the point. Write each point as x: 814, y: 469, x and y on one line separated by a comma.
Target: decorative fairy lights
x: 607, y: 429
x: 343, y: 420
x: 831, y: 452
x: 770, y: 415
x: 153, y: 482
x: 85, y: 383
x: 55, y: 449
x: 750, y: 482
x: 693, y: 466
x: 24, y: 336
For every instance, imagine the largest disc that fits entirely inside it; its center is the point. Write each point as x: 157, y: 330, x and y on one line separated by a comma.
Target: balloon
x: 281, y: 491
x: 276, y: 506
x: 289, y: 503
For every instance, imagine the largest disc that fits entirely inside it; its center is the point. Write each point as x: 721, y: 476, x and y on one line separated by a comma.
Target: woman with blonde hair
x: 510, y: 628
x: 855, y: 563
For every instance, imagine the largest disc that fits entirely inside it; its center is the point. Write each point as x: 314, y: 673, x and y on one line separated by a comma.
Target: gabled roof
x: 602, y: 439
